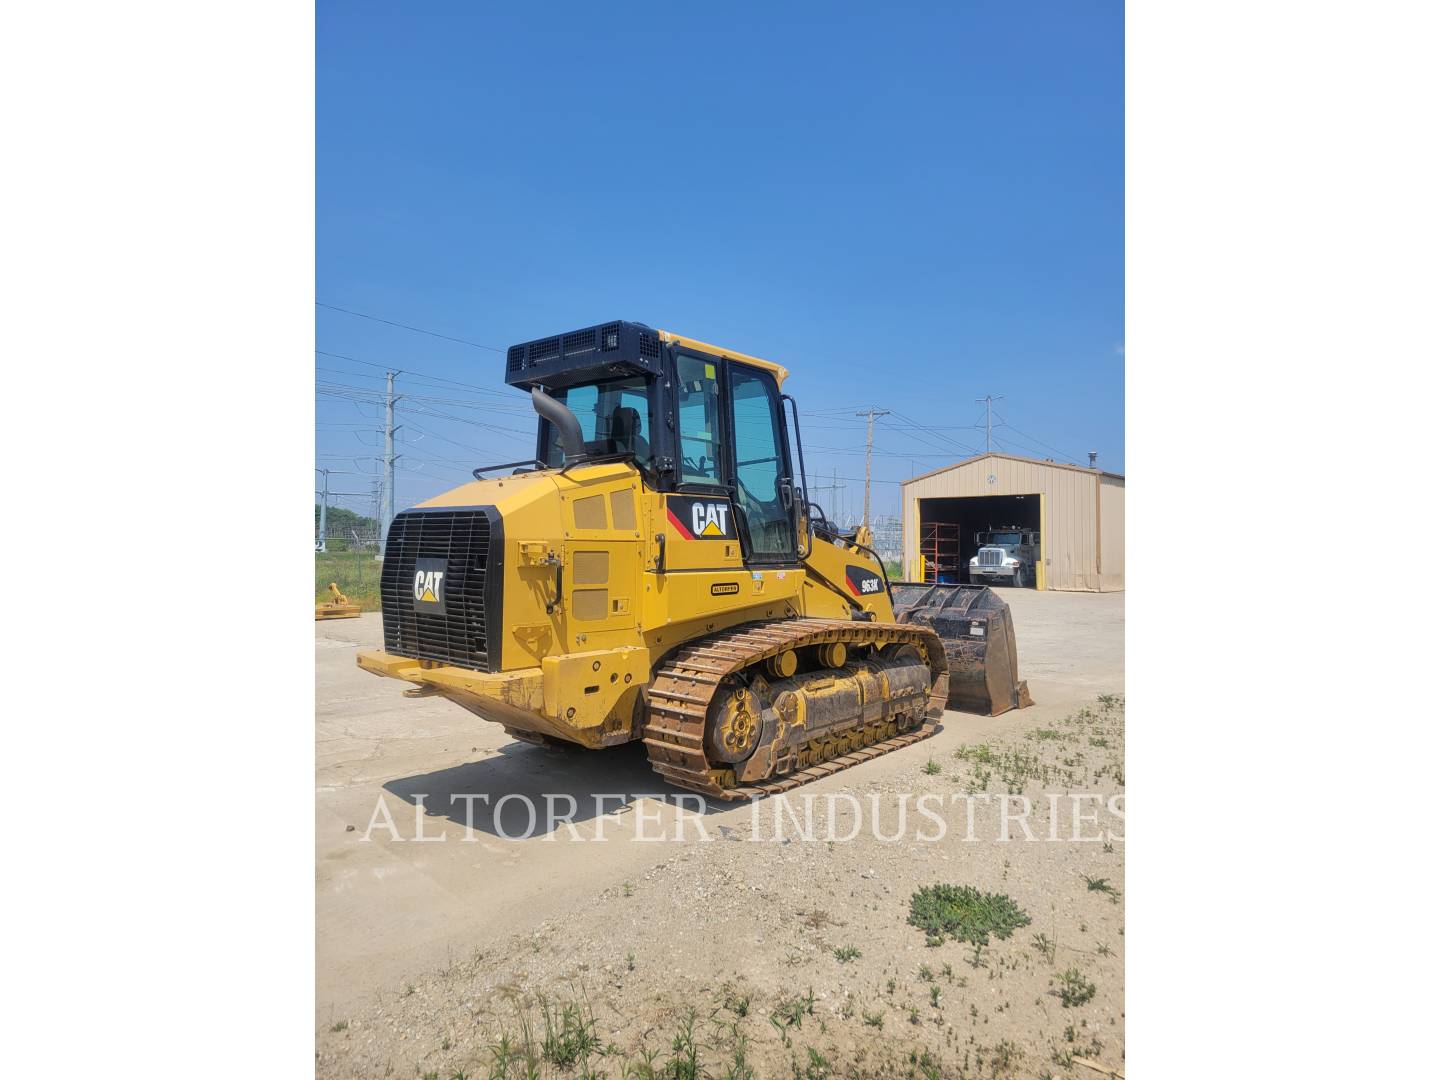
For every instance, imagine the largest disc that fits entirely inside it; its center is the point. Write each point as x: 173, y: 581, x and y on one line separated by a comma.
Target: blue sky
x: 909, y: 207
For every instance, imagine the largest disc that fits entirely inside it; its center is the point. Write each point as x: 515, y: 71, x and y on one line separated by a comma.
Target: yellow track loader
x: 657, y: 572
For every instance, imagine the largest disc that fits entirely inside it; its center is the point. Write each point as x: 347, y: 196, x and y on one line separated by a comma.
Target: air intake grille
x: 579, y: 342
x: 649, y: 346
x: 515, y: 358
x: 469, y: 540
x: 991, y: 557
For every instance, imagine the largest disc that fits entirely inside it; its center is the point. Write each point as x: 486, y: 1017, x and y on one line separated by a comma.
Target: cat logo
x: 429, y: 585
x: 699, y: 519
x: 708, y: 519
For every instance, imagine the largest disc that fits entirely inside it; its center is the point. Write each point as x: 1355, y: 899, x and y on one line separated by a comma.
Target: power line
x: 407, y: 326
x: 1031, y: 438
x: 410, y: 374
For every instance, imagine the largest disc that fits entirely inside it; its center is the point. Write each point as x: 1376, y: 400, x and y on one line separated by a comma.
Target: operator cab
x: 694, y: 418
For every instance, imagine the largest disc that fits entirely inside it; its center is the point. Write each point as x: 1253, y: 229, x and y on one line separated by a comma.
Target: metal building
x: 1080, y: 514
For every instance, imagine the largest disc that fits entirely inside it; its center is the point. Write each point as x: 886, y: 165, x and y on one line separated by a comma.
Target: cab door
x: 760, y: 467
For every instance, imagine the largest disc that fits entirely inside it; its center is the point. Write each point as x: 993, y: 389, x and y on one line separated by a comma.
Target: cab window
x: 761, y: 472
x: 614, y: 417
x: 698, y: 405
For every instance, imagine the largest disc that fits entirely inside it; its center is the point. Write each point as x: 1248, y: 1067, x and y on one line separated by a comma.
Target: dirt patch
x: 787, y: 953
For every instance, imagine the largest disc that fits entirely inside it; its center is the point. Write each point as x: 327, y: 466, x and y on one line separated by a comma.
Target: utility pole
x: 324, y: 506
x: 870, y: 415
x: 832, y: 498
x: 389, y: 474
x: 986, y: 400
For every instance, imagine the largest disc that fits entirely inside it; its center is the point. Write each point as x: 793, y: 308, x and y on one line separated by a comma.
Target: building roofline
x: 1012, y: 457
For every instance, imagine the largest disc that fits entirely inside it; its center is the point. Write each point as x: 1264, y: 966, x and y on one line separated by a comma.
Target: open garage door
x: 948, y: 528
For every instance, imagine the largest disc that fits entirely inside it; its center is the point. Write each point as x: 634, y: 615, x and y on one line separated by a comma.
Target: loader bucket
x: 979, y: 637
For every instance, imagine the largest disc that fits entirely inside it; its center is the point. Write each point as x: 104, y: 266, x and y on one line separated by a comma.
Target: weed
x: 792, y: 1011
x: 932, y: 768
x: 816, y: 1068
x: 872, y: 1019
x: 1100, y: 884
x: 965, y: 913
x: 1004, y: 1058
x: 926, y: 975
x: 817, y: 919
x: 738, y: 1068
x: 739, y: 1004
x: 630, y: 961
x: 1044, y: 945
x: 569, y: 1034
x: 914, y: 1015
x: 340, y: 1025
x: 684, y: 1063
x: 935, y: 996
x: 644, y: 1069
x: 628, y: 889
x: 1075, y: 989
x: 846, y: 953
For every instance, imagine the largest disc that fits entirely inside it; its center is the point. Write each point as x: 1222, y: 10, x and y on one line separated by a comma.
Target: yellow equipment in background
x: 657, y: 573
x: 339, y: 608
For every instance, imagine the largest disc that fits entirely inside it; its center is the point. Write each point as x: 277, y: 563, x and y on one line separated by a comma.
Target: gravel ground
x: 754, y: 953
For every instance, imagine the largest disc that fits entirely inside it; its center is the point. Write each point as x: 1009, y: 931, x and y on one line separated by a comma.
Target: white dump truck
x: 1007, y: 556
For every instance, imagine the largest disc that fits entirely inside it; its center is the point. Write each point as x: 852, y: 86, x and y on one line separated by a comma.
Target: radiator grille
x: 991, y: 557
x: 469, y: 541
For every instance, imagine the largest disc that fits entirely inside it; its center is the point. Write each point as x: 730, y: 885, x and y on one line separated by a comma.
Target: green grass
x: 847, y: 953
x: 357, y: 574
x: 964, y: 913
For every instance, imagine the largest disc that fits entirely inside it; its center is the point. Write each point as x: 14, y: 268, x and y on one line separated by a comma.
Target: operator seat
x: 625, y: 433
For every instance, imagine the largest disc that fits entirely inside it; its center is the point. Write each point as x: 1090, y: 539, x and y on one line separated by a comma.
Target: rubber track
x: 680, y: 694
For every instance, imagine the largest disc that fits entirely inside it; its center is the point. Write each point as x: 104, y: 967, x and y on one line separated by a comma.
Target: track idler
x: 978, y: 634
